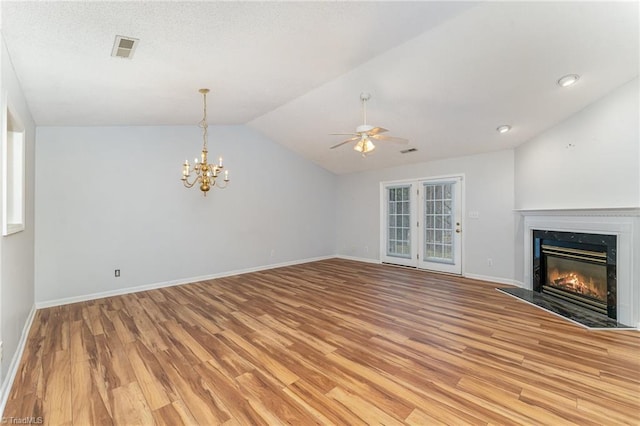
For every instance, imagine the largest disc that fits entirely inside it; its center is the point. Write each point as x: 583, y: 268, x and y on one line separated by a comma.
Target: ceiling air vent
x: 123, y: 47
x: 406, y: 151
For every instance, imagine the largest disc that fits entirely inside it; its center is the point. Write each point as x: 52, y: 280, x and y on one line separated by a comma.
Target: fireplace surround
x: 622, y: 223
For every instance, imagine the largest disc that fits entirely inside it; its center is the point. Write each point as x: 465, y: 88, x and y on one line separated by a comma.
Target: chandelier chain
x: 203, y: 124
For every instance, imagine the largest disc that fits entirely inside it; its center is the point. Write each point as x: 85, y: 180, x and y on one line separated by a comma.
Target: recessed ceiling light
x: 503, y: 129
x: 568, y: 80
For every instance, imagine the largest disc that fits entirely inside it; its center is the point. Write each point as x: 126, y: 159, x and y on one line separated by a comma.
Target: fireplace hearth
x: 576, y: 267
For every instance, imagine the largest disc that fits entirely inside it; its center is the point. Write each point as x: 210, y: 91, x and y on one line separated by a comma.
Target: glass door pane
x: 398, y: 221
x: 439, y: 219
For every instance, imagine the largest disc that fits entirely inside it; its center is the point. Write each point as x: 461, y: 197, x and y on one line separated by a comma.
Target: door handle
x: 458, y: 230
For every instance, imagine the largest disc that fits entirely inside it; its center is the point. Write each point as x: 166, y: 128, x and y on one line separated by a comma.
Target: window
x: 13, y: 154
x: 399, y: 219
x: 439, y: 218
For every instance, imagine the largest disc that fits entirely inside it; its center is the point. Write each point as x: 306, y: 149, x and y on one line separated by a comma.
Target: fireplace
x: 577, y: 267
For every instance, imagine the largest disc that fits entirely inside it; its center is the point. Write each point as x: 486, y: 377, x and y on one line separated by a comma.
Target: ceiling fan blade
x: 389, y: 139
x: 344, y: 142
x: 376, y: 130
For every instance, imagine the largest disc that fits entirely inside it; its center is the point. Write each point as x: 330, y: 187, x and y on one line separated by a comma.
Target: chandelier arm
x: 190, y: 184
x: 226, y: 182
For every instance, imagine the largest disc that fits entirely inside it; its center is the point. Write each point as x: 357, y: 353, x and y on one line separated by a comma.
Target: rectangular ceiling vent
x: 406, y: 151
x: 123, y: 47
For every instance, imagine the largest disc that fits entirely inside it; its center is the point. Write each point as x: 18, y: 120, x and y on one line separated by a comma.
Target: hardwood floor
x: 330, y: 342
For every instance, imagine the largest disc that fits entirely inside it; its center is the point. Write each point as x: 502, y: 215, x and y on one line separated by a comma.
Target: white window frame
x: 13, y: 169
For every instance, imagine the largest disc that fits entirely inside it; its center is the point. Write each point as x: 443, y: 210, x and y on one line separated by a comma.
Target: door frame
x: 414, y: 210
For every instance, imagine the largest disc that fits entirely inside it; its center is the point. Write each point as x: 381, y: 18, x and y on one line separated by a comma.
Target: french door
x: 440, y: 240
x: 422, y: 223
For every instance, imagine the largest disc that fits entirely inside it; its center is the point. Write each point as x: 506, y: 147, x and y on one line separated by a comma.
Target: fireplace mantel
x: 619, y: 211
x: 622, y: 222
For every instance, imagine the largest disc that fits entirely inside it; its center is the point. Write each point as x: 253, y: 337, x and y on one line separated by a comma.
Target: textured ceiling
x: 442, y: 74
x: 254, y: 56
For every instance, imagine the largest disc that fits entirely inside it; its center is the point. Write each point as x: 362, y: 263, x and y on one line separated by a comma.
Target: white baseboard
x: 498, y: 280
x: 129, y: 290
x: 519, y: 284
x: 357, y: 259
x: 15, y: 362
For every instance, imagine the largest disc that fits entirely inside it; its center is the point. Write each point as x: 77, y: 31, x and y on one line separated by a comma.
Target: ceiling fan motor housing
x: 363, y: 128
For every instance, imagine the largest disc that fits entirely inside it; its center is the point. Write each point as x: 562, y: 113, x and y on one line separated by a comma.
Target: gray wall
x: 111, y: 198
x: 590, y: 160
x: 16, y: 250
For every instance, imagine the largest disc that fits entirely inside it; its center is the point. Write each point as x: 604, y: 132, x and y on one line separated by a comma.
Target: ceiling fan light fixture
x: 568, y: 80
x: 368, y: 146
x: 364, y: 146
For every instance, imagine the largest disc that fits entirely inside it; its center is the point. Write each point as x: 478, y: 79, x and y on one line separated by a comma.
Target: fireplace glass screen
x: 576, y: 267
x: 578, y: 277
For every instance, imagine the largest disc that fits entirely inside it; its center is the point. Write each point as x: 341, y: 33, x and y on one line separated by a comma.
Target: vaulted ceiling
x: 442, y: 74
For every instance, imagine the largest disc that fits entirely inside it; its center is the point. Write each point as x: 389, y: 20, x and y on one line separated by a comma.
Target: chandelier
x: 206, y: 174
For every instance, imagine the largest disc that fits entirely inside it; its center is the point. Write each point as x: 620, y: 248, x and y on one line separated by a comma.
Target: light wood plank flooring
x: 329, y: 342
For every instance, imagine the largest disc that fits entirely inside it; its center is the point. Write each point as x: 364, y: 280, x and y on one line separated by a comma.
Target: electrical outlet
x: 489, y: 262
x: 1, y: 352
x: 273, y: 252
x: 117, y: 273
x: 366, y: 249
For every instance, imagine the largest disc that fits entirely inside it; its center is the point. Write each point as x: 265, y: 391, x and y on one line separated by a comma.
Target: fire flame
x: 578, y: 283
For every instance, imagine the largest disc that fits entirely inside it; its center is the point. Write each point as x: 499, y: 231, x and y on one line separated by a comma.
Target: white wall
x: 488, y: 190
x: 600, y: 170
x: 111, y: 198
x: 16, y: 250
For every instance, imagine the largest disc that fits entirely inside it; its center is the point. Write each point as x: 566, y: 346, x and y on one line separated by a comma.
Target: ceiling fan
x: 365, y: 132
